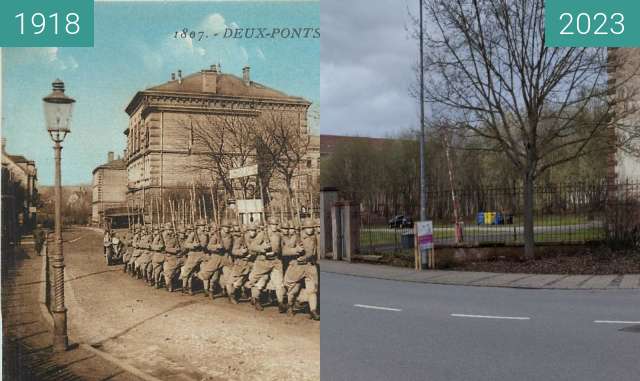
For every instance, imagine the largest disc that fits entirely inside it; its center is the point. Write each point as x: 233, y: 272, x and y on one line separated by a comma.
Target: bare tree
x: 284, y: 145
x: 490, y: 75
x: 221, y: 143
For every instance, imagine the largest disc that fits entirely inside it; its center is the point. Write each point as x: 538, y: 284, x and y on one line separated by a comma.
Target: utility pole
x: 423, y: 180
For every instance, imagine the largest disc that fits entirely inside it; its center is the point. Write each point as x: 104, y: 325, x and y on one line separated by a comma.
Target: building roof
x: 227, y: 85
x: 113, y: 164
x: 18, y: 159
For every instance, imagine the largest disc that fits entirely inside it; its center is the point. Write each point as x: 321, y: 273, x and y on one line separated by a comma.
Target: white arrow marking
x: 377, y: 308
x: 492, y: 317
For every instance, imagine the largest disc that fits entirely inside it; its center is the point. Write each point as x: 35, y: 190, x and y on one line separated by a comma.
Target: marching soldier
x: 106, y: 241
x: 138, y: 243
x: 267, y: 247
x: 175, y: 255
x: 129, y: 240
x: 241, y: 264
x: 214, y: 260
x: 157, y: 258
x: 145, y: 258
x: 196, y: 242
x: 304, y: 268
x: 221, y: 278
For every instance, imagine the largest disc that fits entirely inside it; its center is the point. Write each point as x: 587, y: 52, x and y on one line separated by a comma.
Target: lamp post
x: 57, y: 114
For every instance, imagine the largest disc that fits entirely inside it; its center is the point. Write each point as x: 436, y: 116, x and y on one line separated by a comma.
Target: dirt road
x: 178, y: 337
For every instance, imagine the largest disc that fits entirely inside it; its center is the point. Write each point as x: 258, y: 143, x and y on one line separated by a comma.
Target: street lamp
x: 57, y: 115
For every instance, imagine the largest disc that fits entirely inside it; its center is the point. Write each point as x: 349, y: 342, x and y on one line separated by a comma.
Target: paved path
x: 468, y: 278
x: 178, y: 337
x: 374, y: 329
x: 27, y: 341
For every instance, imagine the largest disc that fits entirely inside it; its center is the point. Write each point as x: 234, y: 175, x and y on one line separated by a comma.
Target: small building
x: 19, y: 195
x: 109, y: 189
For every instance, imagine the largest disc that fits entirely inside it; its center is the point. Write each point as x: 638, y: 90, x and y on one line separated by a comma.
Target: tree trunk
x: 529, y: 241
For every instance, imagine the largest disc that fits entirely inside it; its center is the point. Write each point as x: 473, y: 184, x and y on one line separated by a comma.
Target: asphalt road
x: 387, y: 330
x: 178, y: 337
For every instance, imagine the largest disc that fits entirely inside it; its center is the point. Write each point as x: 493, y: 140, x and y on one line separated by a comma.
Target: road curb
x: 44, y: 311
x: 120, y: 363
x: 473, y: 285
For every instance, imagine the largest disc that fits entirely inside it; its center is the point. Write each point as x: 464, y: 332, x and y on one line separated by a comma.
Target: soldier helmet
x: 181, y: 229
x: 226, y: 222
x: 168, y: 226
x: 189, y: 227
x: 284, y: 225
x: 201, y: 222
x: 308, y: 223
x: 251, y: 227
x: 293, y: 225
x: 272, y: 221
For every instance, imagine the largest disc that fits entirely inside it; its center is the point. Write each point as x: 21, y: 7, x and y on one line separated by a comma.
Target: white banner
x: 236, y: 173
x: 250, y: 206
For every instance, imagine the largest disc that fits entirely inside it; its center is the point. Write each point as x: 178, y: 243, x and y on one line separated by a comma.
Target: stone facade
x: 109, y: 188
x: 162, y: 154
x: 624, y: 75
x: 18, y: 205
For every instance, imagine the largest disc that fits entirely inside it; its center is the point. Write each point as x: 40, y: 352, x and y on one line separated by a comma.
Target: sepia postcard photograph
x: 160, y: 194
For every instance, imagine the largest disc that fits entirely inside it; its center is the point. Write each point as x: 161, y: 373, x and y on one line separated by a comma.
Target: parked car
x: 401, y: 221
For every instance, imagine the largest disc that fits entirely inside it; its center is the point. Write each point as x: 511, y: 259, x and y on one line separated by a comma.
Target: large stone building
x: 163, y: 152
x: 109, y: 189
x: 624, y: 80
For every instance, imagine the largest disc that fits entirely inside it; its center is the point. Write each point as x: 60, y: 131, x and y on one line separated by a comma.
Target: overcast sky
x: 366, y: 67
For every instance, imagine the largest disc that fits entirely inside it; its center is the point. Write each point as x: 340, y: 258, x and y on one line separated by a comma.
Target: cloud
x: 51, y: 56
x: 213, y: 23
x: 365, y: 78
x: 260, y: 54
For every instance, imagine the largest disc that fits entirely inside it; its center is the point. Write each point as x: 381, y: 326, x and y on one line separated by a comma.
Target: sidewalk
x: 483, y: 279
x: 27, y: 341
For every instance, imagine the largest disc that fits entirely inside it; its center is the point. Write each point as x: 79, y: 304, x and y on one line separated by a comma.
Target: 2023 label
x: 592, y: 23
x: 598, y: 24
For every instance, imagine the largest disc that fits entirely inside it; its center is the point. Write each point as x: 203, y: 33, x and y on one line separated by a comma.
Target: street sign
x: 424, y: 252
x: 425, y: 234
x: 250, y: 206
x: 250, y: 170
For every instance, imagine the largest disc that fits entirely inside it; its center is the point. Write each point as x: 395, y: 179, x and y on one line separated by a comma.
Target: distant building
x: 19, y: 195
x: 329, y: 143
x: 109, y: 189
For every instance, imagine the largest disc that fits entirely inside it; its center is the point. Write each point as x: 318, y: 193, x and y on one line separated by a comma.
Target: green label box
x: 40, y: 23
x: 592, y: 23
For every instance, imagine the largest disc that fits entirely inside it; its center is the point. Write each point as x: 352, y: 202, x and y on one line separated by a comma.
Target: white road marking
x: 615, y: 322
x: 492, y: 317
x: 75, y: 239
x: 377, y: 308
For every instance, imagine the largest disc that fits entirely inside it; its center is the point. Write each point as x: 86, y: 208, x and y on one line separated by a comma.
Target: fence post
x: 44, y: 252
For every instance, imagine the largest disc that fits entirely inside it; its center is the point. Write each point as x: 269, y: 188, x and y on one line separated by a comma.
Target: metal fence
x: 563, y: 214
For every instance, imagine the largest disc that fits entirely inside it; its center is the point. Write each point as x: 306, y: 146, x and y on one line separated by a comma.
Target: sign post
x: 424, y: 255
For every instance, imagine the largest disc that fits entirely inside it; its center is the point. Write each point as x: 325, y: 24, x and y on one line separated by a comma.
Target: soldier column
x: 57, y: 112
